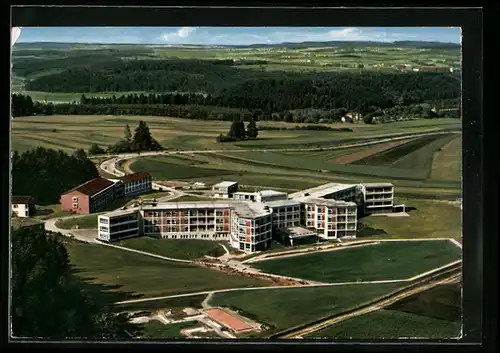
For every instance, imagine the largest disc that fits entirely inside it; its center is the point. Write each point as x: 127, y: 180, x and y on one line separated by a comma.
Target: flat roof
x: 121, y: 212
x: 251, y: 209
x: 298, y: 232
x: 322, y: 190
x: 226, y: 184
x: 184, y: 205
x: 271, y: 193
x: 378, y: 184
x: 244, y: 193
x: 281, y: 203
x: 327, y: 202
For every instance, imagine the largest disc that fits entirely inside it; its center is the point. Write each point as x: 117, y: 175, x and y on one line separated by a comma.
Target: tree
x: 80, y: 154
x: 142, y: 140
x: 48, y: 300
x: 128, y: 134
x: 252, y: 131
x: 95, y: 149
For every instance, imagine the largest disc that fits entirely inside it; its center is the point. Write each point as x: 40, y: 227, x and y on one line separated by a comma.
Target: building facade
x: 190, y: 220
x: 119, y: 225
x: 251, y: 227
x: 136, y: 183
x: 330, y: 218
x: 225, y: 189
x: 378, y: 197
x: 91, y: 196
x: 22, y: 206
x: 286, y: 213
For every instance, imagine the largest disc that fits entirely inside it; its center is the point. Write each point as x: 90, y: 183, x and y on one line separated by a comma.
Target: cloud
x: 182, y: 33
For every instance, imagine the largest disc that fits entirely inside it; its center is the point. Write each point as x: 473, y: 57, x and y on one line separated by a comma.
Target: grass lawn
x: 289, y: 307
x: 146, y: 276
x: 157, y: 330
x: 193, y: 301
x: 429, y: 219
x: 50, y: 211
x: 162, y: 170
x: 390, y: 324
x: 83, y: 222
x: 386, y: 261
x: 176, y: 248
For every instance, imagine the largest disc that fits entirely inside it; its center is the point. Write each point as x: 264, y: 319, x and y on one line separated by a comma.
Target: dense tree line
x: 46, y: 173
x: 305, y: 127
x: 23, y: 107
x: 47, y: 299
x: 226, y: 85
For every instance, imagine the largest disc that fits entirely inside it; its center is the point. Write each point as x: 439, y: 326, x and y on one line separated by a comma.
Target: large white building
x: 248, y: 221
x: 224, y: 189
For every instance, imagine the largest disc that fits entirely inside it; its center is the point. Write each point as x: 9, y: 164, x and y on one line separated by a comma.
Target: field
x: 288, y: 307
x: 187, y: 249
x: 158, y: 330
x: 390, y: 324
x: 385, y: 261
x: 447, y: 163
x: 433, y: 314
x: 428, y: 219
x: 141, y: 275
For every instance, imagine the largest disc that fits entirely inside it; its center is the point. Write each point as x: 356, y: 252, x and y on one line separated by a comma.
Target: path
x: 204, y: 303
x: 375, y: 139
x: 419, y: 276
x: 368, y: 309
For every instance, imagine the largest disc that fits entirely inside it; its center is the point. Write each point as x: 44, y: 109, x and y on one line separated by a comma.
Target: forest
x: 46, y: 173
x: 223, y: 84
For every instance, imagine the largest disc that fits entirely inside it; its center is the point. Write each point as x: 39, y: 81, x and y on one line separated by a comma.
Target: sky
x: 235, y: 35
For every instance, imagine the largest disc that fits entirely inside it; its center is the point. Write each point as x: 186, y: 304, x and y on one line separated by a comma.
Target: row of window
x: 187, y: 214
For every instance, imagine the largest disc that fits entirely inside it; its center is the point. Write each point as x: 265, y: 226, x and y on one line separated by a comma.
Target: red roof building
x: 90, y: 196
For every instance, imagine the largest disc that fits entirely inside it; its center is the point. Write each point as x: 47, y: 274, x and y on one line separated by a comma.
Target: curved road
x: 109, y: 165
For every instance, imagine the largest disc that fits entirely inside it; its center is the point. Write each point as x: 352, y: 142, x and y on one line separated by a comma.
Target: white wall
x: 21, y: 210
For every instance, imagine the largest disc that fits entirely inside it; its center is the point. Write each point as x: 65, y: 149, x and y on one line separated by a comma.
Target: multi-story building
x: 136, y: 183
x: 251, y: 226
x: 248, y: 224
x: 344, y: 192
x: 119, y: 225
x: 225, y: 189
x: 90, y: 196
x: 22, y: 206
x: 286, y: 213
x: 378, y: 197
x: 369, y: 197
x: 331, y: 218
x: 189, y: 220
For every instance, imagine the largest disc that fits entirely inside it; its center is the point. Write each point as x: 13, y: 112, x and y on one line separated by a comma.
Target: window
x: 103, y: 229
x: 26, y: 213
x: 75, y: 205
x: 75, y: 199
x: 14, y: 206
